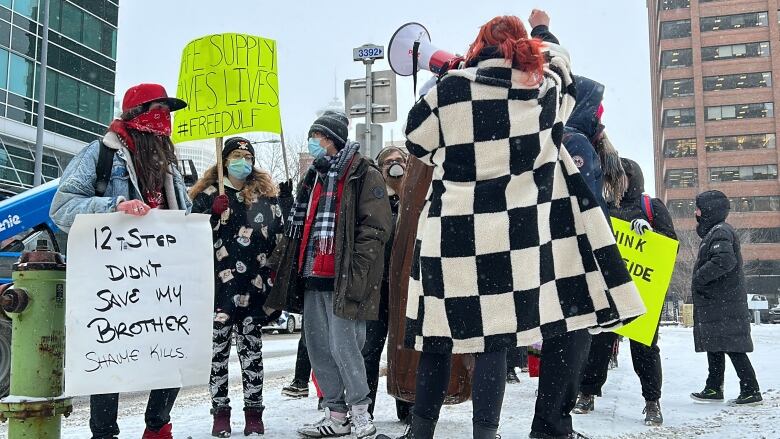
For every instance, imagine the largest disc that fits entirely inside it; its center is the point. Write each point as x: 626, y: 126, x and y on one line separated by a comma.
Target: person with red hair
x: 511, y: 241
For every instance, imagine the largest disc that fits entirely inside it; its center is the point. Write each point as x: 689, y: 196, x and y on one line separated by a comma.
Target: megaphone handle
x: 415, y: 58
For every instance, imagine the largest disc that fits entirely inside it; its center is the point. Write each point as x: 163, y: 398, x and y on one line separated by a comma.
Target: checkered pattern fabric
x: 512, y: 246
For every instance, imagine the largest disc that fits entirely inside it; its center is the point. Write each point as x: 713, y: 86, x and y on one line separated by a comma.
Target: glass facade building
x: 79, y: 82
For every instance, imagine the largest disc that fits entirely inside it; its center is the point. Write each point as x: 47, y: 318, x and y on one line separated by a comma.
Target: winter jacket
x: 631, y: 204
x: 508, y: 239
x: 395, y: 201
x: 242, y: 245
x: 362, y: 229
x: 581, y: 130
x: 76, y: 192
x: 721, y: 320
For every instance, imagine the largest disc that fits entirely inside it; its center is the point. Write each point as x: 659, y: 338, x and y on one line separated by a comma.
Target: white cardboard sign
x: 139, y: 302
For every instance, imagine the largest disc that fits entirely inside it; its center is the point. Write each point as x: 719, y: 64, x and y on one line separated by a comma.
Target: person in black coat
x: 721, y: 320
x: 247, y: 222
x: 645, y: 214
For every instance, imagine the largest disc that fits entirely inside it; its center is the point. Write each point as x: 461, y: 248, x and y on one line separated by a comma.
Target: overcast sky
x: 608, y: 41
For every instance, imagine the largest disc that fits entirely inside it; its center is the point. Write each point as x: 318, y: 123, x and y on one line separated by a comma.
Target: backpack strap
x: 647, y: 208
x: 103, y: 169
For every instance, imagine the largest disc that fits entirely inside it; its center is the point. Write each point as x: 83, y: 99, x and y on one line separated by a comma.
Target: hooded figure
x: 721, y: 320
x: 720, y: 312
x: 630, y: 208
x: 586, y: 142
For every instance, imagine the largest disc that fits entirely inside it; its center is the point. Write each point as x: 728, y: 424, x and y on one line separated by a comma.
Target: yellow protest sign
x: 650, y: 260
x: 231, y: 86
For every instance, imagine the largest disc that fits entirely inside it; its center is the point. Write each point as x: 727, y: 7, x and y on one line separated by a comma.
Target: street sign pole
x: 369, y: 105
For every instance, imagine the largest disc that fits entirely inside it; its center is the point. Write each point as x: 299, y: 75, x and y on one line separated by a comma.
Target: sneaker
x: 362, y: 425
x: 296, y: 389
x: 653, y: 416
x: 326, y: 427
x: 751, y: 398
x: 585, y: 404
x: 511, y: 376
x: 221, y: 425
x: 708, y: 395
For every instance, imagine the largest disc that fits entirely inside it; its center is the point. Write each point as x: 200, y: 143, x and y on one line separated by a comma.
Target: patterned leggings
x: 249, y: 345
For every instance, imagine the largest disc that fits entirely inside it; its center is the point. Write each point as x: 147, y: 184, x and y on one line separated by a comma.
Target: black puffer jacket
x: 720, y: 314
x: 631, y: 205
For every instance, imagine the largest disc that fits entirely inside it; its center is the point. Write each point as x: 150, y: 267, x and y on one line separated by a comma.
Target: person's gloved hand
x: 285, y: 189
x: 640, y: 226
x: 220, y: 204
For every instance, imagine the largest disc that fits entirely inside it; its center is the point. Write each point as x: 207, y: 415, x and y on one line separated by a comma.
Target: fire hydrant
x: 36, y: 304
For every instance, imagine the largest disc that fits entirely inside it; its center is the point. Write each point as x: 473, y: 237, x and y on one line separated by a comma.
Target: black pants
x: 516, y: 357
x: 433, y: 377
x: 249, y: 347
x: 559, y: 380
x: 376, y: 336
x: 646, y: 360
x: 103, y: 412
x: 747, y: 376
x: 302, y: 363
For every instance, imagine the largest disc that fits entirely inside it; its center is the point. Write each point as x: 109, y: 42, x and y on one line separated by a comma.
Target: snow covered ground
x: 618, y: 414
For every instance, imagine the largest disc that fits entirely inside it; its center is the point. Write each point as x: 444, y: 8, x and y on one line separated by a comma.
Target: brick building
x: 715, y: 80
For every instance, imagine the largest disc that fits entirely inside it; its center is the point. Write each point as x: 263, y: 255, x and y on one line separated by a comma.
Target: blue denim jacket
x: 76, y: 192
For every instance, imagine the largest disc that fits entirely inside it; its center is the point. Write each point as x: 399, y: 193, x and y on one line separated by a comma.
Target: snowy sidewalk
x: 618, y: 414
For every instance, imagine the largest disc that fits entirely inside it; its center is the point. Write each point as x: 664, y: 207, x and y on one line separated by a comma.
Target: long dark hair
x: 153, y: 156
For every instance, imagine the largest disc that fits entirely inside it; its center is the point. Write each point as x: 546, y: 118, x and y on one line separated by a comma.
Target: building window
x: 674, y: 4
x: 676, y: 58
x: 676, y: 148
x: 741, y: 111
x: 67, y: 94
x: 740, y: 143
x: 769, y: 235
x: 746, y: 50
x: 681, y: 178
x: 738, y: 81
x: 675, y: 88
x: 28, y: 8
x: 3, y: 68
x: 755, y: 204
x: 682, y: 208
x: 684, y: 117
x: 675, y: 29
x: 84, y: 27
x: 738, y: 21
x: 743, y: 173
x: 20, y: 80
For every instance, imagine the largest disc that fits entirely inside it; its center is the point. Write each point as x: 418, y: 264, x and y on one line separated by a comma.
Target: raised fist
x: 538, y: 17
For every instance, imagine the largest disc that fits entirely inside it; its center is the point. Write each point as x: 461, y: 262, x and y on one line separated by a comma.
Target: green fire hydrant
x: 36, y: 304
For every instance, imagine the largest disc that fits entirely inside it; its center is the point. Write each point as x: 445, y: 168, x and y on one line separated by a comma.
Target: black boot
x: 483, y: 432
x: 419, y: 429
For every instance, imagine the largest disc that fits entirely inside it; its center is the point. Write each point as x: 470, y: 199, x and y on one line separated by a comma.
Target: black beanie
x: 235, y: 143
x: 334, y: 125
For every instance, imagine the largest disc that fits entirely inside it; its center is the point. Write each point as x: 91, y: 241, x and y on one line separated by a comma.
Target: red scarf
x: 157, y: 121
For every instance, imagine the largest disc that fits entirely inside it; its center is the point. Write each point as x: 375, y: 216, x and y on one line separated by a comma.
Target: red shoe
x: 164, y: 433
x: 221, y: 426
x: 254, y: 421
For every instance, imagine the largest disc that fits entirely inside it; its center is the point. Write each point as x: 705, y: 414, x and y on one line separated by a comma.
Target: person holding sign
x: 246, y: 222
x: 330, y: 263
x: 721, y: 320
x: 645, y: 214
x: 132, y: 169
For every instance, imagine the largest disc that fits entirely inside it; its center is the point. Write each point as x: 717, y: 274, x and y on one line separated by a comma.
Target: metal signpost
x: 372, y: 97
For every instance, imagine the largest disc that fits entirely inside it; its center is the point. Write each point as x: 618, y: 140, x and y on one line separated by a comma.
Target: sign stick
x: 284, y: 152
x: 220, y: 177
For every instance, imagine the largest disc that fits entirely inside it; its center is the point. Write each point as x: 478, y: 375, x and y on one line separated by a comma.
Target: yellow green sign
x: 231, y: 86
x: 650, y: 260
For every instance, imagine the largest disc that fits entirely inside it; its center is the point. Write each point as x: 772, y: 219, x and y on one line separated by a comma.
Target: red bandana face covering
x: 157, y: 121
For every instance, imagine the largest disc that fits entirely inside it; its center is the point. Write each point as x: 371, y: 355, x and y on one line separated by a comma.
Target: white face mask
x: 396, y: 170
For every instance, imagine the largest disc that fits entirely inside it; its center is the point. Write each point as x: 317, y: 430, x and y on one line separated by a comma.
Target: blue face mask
x: 315, y: 149
x: 239, y: 168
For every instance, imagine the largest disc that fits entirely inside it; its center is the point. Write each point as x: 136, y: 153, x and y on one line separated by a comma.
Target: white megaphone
x: 430, y: 57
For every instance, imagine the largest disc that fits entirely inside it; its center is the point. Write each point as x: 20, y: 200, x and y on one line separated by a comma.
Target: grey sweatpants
x: 334, y: 346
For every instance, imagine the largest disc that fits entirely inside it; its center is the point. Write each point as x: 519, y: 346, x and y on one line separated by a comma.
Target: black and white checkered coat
x: 511, y: 245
